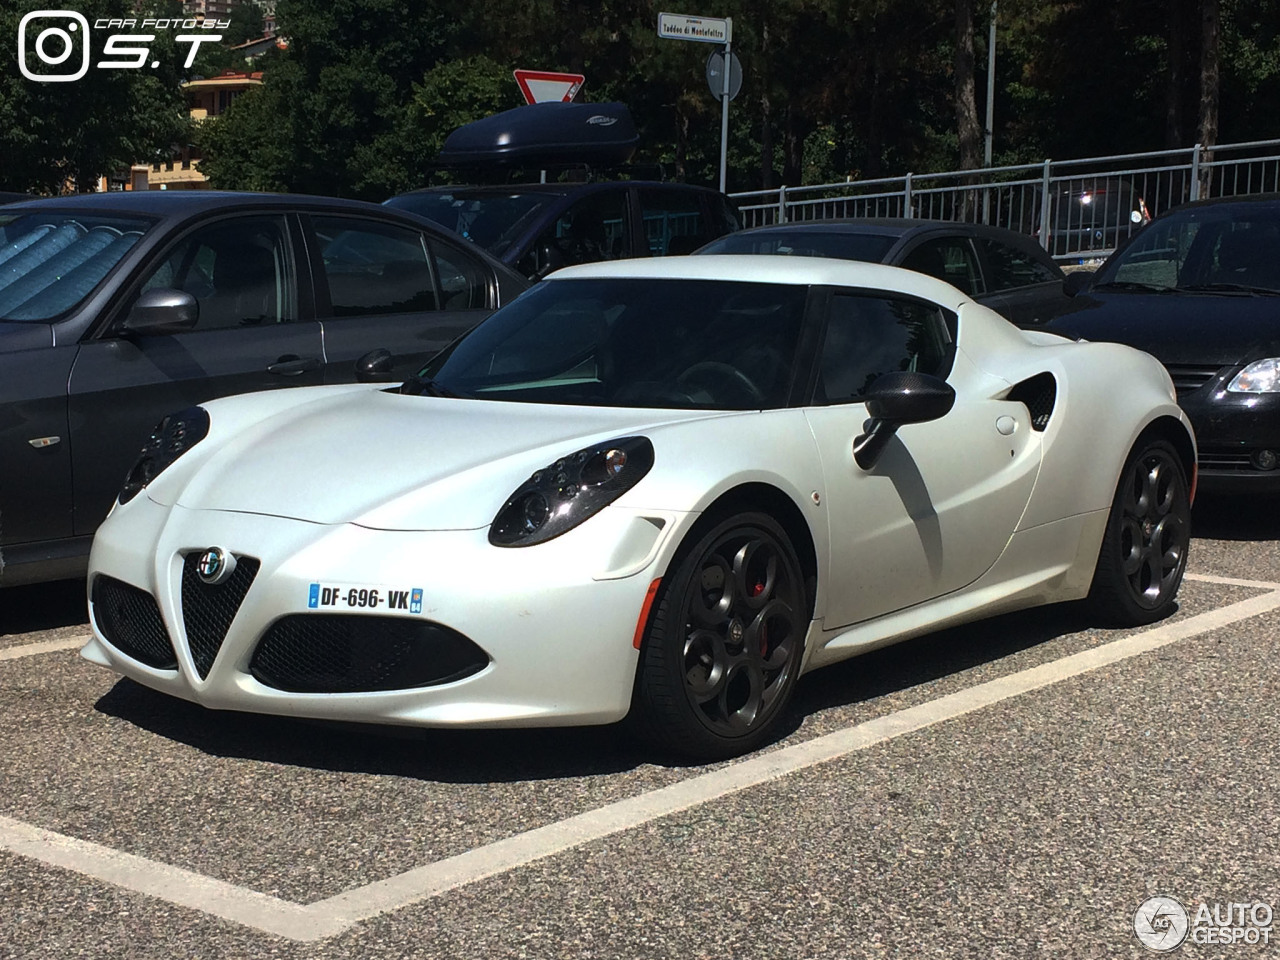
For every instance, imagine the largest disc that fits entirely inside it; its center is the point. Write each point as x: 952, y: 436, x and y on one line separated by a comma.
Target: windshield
x: 492, y: 220
x: 631, y: 343
x: 868, y: 247
x: 1215, y: 247
x: 49, y: 263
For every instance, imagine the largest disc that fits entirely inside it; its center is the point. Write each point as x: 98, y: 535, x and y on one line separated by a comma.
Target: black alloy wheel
x: 723, y: 647
x: 1144, y: 548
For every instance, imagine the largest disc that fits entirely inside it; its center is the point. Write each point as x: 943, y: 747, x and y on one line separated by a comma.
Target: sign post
x: 675, y: 26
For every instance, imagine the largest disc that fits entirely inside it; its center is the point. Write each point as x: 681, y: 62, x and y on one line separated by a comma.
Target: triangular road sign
x: 539, y: 86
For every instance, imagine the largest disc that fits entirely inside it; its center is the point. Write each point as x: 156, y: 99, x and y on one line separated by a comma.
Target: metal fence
x: 1077, y: 209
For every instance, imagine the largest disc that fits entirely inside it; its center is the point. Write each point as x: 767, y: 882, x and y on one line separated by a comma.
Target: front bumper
x: 556, y: 621
x: 1232, y: 430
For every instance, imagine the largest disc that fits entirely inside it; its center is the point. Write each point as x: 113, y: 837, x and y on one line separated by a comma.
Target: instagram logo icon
x: 54, y: 45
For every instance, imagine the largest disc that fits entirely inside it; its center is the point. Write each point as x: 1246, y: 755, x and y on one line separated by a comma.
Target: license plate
x: 364, y: 596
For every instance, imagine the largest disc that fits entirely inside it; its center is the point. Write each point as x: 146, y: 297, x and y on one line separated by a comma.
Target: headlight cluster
x: 172, y: 437
x: 560, y: 496
x: 1261, y: 376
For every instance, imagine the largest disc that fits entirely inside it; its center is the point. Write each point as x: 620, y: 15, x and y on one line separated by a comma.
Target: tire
x: 723, y: 646
x: 1148, y: 533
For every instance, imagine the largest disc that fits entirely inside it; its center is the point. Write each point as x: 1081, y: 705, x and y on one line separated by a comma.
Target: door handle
x: 293, y: 366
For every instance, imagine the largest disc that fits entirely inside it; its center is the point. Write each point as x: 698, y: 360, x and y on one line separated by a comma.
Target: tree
x: 54, y: 135
x: 967, y: 129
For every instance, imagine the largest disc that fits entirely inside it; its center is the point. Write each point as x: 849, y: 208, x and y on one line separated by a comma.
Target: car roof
x: 1256, y: 199
x: 879, y: 226
x: 557, y: 189
x: 769, y: 268
x: 164, y: 203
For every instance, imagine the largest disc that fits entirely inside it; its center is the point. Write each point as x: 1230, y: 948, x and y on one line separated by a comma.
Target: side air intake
x: 1038, y: 394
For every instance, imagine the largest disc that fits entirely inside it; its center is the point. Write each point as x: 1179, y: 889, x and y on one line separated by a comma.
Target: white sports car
x: 661, y: 489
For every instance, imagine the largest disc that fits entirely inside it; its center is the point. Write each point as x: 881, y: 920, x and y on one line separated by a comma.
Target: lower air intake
x: 342, y: 653
x: 130, y: 621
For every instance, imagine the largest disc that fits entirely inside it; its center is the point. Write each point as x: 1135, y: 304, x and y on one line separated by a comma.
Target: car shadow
x: 1236, y: 517
x: 502, y: 756
x: 42, y: 606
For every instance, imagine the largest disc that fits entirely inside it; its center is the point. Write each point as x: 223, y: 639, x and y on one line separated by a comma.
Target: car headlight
x: 1261, y: 376
x: 563, y: 494
x: 172, y: 437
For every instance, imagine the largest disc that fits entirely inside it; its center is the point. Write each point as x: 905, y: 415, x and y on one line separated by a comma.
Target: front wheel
x: 1144, y: 548
x: 722, y: 650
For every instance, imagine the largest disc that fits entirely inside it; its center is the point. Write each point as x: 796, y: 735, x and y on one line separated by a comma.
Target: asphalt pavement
x: 1013, y: 788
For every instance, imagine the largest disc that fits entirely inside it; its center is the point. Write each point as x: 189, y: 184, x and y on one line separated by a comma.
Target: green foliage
x: 54, y: 134
x: 362, y: 99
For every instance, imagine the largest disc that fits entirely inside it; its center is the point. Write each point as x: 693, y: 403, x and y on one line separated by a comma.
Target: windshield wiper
x: 418, y: 386
x: 1132, y: 285
x: 1231, y: 288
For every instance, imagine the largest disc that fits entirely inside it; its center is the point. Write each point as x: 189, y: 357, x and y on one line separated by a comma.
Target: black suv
x: 538, y: 227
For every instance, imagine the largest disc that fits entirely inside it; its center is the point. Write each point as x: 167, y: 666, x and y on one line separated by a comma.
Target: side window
x: 1011, y: 267
x: 240, y: 271
x: 674, y: 222
x: 374, y: 268
x: 951, y: 260
x: 868, y: 336
x: 463, y: 285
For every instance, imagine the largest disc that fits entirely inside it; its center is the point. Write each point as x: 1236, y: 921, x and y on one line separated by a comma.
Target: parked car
x: 999, y: 268
x: 581, y: 217
x: 652, y: 488
x: 536, y: 228
x: 116, y: 309
x: 1200, y: 289
x: 1091, y: 216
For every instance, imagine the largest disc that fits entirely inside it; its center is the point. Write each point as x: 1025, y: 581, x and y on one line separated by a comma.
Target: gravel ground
x: 1032, y: 827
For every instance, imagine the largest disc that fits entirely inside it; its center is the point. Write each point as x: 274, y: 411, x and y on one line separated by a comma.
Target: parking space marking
x: 165, y: 882
x: 333, y: 915
x: 1231, y: 581
x: 44, y: 646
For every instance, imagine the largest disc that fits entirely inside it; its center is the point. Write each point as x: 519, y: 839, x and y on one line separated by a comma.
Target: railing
x: 1089, y: 205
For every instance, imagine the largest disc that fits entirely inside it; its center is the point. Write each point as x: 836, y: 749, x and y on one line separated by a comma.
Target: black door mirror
x: 894, y: 399
x: 375, y: 367
x: 1077, y: 282
x: 163, y: 310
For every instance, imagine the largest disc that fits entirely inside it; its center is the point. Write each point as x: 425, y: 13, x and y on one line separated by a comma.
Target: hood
x: 391, y: 461
x: 24, y: 336
x: 1178, y: 328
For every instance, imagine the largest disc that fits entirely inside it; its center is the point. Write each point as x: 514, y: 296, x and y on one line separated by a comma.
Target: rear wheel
x: 722, y: 651
x: 1144, y: 549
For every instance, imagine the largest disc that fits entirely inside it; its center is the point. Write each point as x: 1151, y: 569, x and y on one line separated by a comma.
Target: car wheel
x: 723, y: 646
x: 1144, y: 549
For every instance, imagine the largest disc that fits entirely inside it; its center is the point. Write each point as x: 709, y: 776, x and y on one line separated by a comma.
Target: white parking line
x: 44, y: 646
x: 333, y: 915
x: 1232, y: 581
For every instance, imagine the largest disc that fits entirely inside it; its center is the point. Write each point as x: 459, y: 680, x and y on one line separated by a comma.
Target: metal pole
x: 991, y: 84
x: 991, y: 107
x: 724, y: 105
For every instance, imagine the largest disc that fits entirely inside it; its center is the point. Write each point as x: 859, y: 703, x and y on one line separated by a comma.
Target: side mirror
x: 550, y: 258
x: 1077, y: 282
x: 894, y: 399
x: 375, y: 367
x: 162, y: 310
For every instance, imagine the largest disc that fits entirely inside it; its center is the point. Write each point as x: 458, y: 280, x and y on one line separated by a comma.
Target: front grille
x: 1224, y: 461
x: 130, y: 621
x: 345, y: 653
x: 207, y: 610
x: 1188, y: 377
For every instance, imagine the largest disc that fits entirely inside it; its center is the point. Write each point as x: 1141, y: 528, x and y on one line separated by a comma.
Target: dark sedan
x: 1004, y: 270
x: 117, y: 309
x: 1200, y: 289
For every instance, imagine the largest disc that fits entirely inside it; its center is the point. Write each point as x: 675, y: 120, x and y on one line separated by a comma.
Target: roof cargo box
x: 596, y: 134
